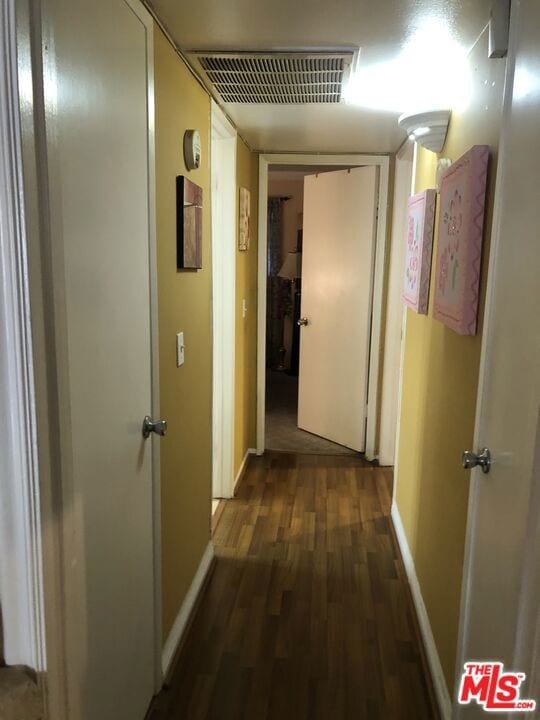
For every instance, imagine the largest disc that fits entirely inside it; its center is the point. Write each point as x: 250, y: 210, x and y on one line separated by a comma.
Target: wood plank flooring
x: 307, y: 615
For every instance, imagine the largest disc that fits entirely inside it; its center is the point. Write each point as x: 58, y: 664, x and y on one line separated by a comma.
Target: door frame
x: 530, y: 540
x: 402, y: 354
x: 395, y: 311
x: 383, y: 163
x: 21, y: 576
x: 223, y: 151
x: 34, y: 31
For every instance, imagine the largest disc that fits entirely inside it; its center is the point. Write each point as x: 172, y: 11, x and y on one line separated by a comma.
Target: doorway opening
x: 283, y: 312
x: 310, y: 306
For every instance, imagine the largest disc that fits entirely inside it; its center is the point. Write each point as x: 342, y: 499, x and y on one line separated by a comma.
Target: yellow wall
x: 184, y: 304
x: 245, y: 431
x: 440, y: 379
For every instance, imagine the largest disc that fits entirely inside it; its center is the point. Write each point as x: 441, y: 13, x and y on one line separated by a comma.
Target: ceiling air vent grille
x: 277, y: 78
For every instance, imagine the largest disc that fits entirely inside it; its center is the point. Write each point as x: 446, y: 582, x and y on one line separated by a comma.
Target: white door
x: 96, y: 69
x: 337, y: 286
x: 501, y: 595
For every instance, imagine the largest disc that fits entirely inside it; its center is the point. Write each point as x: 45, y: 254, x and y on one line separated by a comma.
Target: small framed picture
x: 188, y: 224
x: 459, y: 248
x: 244, y: 219
x: 418, y: 250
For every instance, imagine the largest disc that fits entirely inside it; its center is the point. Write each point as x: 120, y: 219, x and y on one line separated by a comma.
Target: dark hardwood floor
x: 307, y: 615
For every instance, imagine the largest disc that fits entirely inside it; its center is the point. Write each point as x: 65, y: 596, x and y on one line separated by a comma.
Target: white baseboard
x: 441, y: 689
x: 182, y: 619
x: 249, y: 451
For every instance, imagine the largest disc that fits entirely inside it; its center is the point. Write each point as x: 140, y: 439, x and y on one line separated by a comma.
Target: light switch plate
x: 179, y: 349
x: 244, y: 307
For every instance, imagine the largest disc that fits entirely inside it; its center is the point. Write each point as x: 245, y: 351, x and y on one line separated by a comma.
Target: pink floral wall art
x: 459, y: 250
x: 418, y: 249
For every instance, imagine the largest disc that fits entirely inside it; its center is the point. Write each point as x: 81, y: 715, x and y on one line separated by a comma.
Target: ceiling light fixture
x: 427, y: 128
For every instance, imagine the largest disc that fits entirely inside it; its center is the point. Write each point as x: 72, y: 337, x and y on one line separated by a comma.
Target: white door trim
x: 383, y: 162
x: 394, y: 313
x: 34, y: 31
x: 145, y: 17
x: 21, y: 578
x: 223, y: 150
x: 402, y: 354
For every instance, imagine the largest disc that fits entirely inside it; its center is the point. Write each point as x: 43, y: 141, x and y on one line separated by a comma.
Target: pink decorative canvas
x: 418, y: 249
x: 459, y: 251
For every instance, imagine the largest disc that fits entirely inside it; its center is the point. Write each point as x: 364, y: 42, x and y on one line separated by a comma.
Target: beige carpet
x: 282, y: 433
x: 20, y: 697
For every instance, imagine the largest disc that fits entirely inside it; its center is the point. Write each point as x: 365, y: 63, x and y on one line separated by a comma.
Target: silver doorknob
x: 302, y: 321
x: 471, y: 460
x: 150, y: 426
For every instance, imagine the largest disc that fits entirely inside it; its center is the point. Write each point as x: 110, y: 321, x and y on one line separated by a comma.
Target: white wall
x: 394, y: 308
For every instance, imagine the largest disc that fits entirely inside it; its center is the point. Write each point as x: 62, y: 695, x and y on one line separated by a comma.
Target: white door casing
x: 337, y: 287
x: 21, y: 578
x: 382, y: 162
x: 223, y: 168
x: 100, y: 280
x: 501, y: 584
x: 394, y: 308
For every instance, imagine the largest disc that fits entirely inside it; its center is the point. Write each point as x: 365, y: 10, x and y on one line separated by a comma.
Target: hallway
x: 307, y: 613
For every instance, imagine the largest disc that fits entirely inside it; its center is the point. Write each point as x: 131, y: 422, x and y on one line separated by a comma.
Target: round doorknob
x: 302, y: 321
x: 150, y: 426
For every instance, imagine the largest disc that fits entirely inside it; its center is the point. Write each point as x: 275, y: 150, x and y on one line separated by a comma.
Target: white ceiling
x: 381, y: 28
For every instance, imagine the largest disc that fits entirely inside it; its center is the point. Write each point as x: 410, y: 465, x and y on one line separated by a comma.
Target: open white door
x: 337, y: 285
x: 98, y: 66
x: 501, y: 587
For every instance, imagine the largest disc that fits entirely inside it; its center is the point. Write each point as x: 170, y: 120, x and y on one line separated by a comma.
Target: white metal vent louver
x: 276, y: 78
